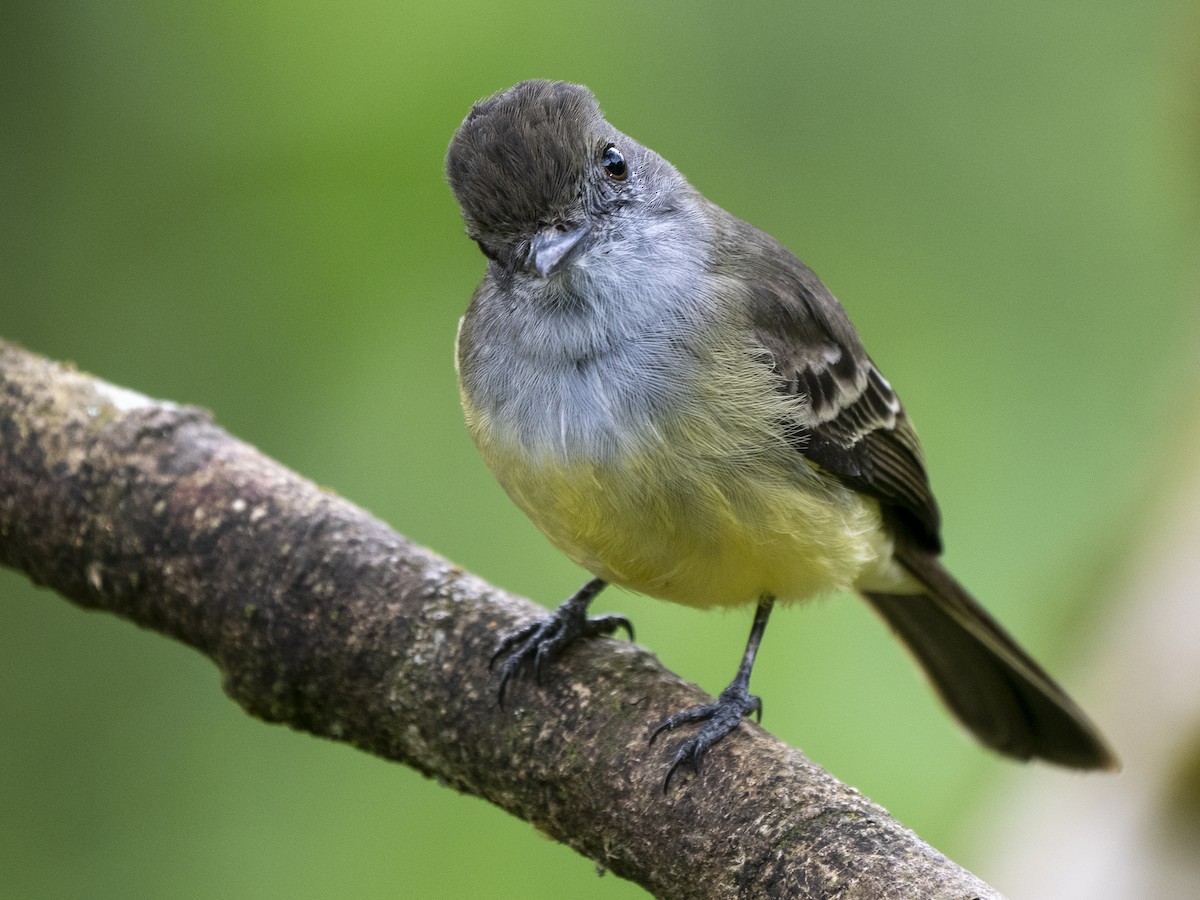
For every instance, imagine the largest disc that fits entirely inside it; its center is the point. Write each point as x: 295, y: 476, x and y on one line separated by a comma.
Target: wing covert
x: 852, y: 424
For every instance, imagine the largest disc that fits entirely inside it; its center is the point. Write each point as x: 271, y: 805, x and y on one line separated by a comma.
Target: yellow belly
x: 718, y: 534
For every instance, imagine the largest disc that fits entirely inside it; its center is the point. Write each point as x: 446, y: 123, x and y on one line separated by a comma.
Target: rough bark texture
x: 321, y: 617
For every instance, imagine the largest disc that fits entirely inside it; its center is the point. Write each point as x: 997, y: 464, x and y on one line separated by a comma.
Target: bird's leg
x: 541, y: 641
x: 726, y: 713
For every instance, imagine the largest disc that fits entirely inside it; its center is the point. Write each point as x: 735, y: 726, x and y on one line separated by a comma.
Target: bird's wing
x: 852, y: 424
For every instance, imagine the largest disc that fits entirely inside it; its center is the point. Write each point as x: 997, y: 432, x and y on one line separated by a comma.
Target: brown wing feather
x: 852, y: 425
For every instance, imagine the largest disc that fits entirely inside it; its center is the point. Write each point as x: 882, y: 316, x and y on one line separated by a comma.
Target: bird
x: 685, y: 410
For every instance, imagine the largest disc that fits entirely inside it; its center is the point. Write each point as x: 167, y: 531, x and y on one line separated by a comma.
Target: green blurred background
x: 242, y: 206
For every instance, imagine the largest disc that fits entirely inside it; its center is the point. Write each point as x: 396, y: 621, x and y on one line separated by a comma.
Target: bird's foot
x: 540, y: 642
x: 719, y: 718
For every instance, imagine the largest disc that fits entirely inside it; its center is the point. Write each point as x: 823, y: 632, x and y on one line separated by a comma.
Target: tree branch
x: 321, y: 617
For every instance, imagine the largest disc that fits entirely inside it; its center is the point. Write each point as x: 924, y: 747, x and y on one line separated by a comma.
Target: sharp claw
x: 691, y: 754
x: 608, y: 625
x: 670, y: 773
x: 539, y: 657
x: 511, y: 640
x: 668, y: 724
x: 721, y: 718
x: 503, y: 686
x: 538, y: 643
x: 495, y: 656
x: 699, y: 713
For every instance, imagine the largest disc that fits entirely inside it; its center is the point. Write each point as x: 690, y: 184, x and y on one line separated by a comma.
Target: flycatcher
x: 685, y: 410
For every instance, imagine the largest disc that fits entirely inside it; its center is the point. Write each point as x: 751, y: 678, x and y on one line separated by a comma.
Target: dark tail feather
x: 987, y: 680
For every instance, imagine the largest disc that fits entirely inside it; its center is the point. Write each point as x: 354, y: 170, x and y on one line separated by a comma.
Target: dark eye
x: 614, y: 163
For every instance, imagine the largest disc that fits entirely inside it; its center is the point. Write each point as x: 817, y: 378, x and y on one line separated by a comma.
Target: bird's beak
x: 552, y: 248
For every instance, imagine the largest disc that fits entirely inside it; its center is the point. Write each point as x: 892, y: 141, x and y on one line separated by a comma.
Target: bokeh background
x: 242, y: 206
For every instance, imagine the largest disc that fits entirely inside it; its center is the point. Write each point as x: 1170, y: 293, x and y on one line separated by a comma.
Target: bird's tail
x: 993, y: 686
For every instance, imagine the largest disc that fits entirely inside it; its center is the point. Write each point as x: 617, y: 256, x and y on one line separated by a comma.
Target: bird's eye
x: 614, y: 163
